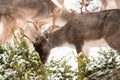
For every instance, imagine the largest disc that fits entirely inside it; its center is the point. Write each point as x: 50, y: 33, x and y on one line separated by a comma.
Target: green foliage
x: 82, y: 64
x: 106, y: 60
x: 59, y: 70
x: 18, y: 62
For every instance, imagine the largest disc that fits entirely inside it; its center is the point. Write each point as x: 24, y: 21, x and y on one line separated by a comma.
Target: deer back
x: 9, y: 17
x: 41, y: 8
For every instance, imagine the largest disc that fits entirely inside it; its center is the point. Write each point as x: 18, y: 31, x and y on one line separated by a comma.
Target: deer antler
x: 24, y: 34
x: 39, y: 23
x: 35, y: 25
x: 28, y: 38
x: 56, y: 13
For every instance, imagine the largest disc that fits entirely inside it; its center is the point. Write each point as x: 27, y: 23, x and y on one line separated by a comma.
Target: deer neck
x: 56, y: 38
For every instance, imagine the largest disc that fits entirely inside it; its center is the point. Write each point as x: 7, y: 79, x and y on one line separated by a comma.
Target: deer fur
x: 9, y: 18
x: 40, y: 9
x: 32, y: 8
x: 85, y: 27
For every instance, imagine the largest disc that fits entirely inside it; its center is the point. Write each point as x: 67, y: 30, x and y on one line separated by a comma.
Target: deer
x: 9, y: 18
x: 40, y: 8
x: 81, y: 28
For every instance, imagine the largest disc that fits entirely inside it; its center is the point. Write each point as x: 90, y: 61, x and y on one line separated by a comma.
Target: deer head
x: 41, y: 44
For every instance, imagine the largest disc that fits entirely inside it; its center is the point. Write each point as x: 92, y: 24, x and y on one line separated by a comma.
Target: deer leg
x: 79, y: 45
x: 81, y: 9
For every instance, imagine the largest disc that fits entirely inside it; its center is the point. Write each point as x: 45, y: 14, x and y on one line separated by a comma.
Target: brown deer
x: 32, y: 8
x: 39, y: 9
x: 9, y: 18
x: 84, y: 27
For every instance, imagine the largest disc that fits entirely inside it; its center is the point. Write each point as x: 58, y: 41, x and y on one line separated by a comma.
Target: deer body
x: 32, y: 8
x: 85, y: 27
x: 40, y: 9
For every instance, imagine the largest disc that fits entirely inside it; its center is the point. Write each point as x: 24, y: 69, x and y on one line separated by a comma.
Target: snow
x: 65, y: 52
